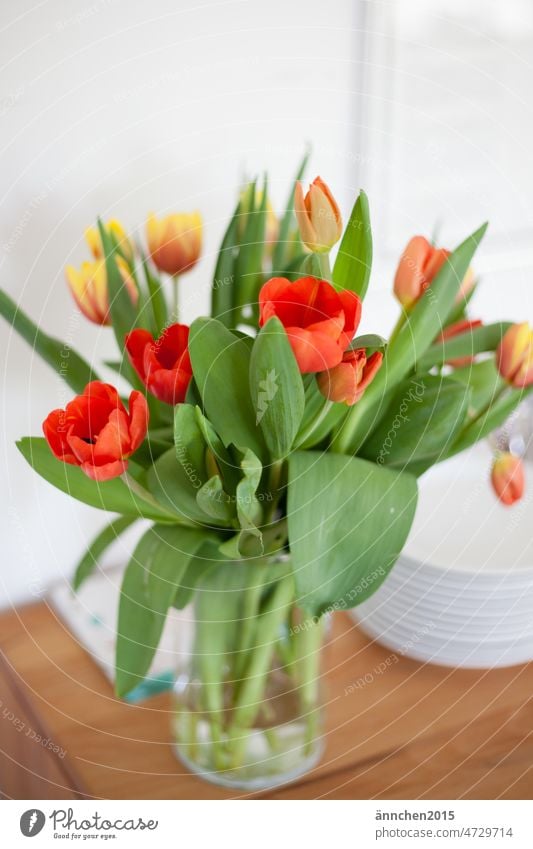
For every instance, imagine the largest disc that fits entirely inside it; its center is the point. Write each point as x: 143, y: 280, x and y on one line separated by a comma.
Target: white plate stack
x: 461, y: 593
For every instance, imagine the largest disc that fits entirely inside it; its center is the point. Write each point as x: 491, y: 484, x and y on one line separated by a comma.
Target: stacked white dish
x: 461, y: 593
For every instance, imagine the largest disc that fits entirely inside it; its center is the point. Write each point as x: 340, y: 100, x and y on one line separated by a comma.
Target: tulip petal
x: 352, y: 307
x: 138, y: 419
x: 105, y: 472
x: 169, y: 385
x: 113, y: 441
x: 314, y: 351
x: 410, y: 279
x: 136, y: 344
x: 307, y: 231
x: 55, y: 431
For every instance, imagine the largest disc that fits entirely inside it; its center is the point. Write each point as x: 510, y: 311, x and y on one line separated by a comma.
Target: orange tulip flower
x: 318, y: 216
x: 419, y: 265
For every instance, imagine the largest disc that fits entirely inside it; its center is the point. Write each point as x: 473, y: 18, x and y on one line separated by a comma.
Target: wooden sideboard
x: 397, y: 729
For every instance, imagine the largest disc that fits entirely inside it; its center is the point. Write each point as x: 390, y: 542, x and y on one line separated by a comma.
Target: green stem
x: 312, y: 426
x: 324, y: 266
x: 348, y: 437
x: 402, y: 318
x: 250, y: 608
x: 139, y: 489
x: 248, y: 697
x: 274, y: 486
x: 307, y: 645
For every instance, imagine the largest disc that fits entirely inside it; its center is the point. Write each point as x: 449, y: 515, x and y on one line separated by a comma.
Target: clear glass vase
x: 247, y: 707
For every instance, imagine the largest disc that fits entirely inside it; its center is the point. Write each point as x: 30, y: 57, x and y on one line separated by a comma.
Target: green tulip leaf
x: 99, y: 545
x: 113, y: 495
x: 354, y: 260
x: 221, y: 363
x: 72, y: 368
x: 149, y: 587
x: 421, y: 422
x: 288, y: 222
x: 348, y: 521
x: 223, y: 286
x: 467, y: 344
x: 276, y: 387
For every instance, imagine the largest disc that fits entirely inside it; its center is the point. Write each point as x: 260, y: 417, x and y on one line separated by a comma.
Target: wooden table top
x: 396, y: 729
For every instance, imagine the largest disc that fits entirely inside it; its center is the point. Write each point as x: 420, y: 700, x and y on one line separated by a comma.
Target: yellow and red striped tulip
x: 318, y: 216
x: 115, y: 229
x: 89, y: 288
x: 175, y: 241
x: 514, y: 356
x: 507, y: 478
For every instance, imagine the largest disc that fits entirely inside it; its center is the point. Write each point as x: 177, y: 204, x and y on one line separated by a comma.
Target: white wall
x: 115, y: 107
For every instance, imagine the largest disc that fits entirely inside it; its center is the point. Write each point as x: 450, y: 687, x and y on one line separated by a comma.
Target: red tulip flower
x: 163, y: 365
x: 507, y: 478
x: 96, y: 432
x: 320, y: 322
x: 457, y: 329
x: 346, y: 383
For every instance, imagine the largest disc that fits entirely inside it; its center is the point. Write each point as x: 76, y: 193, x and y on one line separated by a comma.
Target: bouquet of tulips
x: 273, y: 450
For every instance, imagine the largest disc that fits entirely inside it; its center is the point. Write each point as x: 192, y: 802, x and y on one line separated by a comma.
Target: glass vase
x: 247, y: 701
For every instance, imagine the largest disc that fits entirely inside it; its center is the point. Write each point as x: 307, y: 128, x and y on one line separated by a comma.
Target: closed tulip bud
x: 514, y: 356
x: 507, y: 478
x: 175, y: 241
x: 117, y: 231
x: 419, y: 265
x: 318, y: 216
x: 89, y: 288
x: 346, y: 383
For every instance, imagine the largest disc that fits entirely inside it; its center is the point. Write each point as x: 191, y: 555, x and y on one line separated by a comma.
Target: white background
x: 116, y: 107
